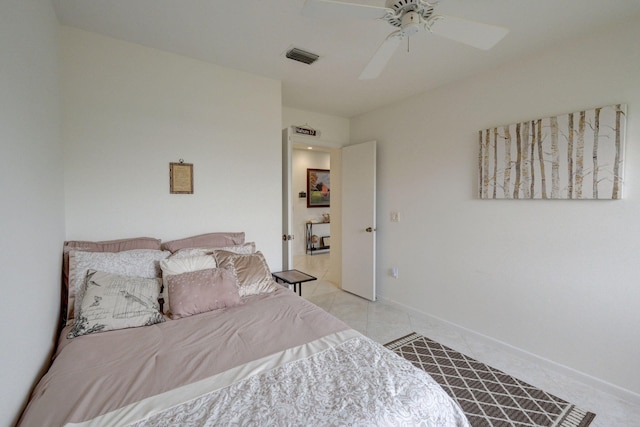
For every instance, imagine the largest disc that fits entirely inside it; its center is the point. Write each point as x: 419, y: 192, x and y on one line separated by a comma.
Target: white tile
x: 385, y: 313
x: 315, y: 265
x: 322, y: 287
x: 384, y: 322
x: 324, y: 301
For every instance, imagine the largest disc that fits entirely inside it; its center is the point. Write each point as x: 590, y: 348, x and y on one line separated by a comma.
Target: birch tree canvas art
x: 573, y: 156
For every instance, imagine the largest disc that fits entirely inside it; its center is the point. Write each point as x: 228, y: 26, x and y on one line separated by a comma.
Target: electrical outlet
x: 395, y: 216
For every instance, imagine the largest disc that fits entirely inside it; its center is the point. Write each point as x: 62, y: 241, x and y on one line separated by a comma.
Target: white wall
x: 558, y: 279
x: 301, y: 161
x: 31, y: 184
x: 130, y: 110
x: 332, y: 128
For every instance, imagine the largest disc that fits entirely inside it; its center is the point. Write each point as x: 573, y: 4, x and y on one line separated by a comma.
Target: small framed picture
x: 318, y: 188
x: 181, y: 178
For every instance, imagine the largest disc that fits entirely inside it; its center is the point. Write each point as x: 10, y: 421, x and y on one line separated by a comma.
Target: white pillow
x: 173, y: 266
x: 135, y: 263
x: 113, y: 302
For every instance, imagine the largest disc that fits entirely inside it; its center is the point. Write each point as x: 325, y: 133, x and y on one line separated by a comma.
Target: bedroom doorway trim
x: 289, y: 140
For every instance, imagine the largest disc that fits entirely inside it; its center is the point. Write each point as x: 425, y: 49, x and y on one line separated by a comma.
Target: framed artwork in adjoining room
x: 318, y: 188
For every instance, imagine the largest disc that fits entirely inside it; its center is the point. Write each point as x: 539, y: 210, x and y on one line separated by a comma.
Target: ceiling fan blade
x: 382, y: 56
x: 337, y: 9
x: 472, y: 33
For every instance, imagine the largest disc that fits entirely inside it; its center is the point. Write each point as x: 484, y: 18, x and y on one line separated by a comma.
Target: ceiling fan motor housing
x: 410, y: 23
x: 423, y: 9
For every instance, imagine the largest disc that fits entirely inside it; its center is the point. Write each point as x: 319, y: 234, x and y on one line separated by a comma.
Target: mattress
x: 274, y: 360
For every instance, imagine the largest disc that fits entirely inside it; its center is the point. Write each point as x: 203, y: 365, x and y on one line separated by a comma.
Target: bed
x: 262, y: 356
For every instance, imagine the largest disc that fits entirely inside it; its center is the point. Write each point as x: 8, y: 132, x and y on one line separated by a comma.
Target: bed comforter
x: 275, y: 360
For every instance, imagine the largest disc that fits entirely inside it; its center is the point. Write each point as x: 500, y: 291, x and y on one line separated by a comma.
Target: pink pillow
x: 208, y: 240
x: 201, y: 291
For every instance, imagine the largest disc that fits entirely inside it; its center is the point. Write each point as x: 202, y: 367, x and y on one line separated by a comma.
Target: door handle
x: 369, y: 229
x: 286, y: 237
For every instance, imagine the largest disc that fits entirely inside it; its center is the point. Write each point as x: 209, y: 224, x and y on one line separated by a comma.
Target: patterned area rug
x: 487, y: 396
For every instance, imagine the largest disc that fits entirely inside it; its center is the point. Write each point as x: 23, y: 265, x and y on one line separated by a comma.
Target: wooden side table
x: 293, y: 277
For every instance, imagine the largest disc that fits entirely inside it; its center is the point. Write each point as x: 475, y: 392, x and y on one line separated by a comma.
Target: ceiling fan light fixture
x: 400, y: 8
x: 302, y: 56
x: 411, y: 23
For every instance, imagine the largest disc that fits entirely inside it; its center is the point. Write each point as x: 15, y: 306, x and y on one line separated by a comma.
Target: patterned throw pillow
x: 115, y: 302
x: 103, y: 246
x: 201, y: 291
x: 135, y: 263
x: 251, y: 271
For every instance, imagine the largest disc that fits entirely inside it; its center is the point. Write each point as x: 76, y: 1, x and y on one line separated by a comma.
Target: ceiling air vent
x: 302, y: 56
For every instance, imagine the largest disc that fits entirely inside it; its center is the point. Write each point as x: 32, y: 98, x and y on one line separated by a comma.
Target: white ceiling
x: 253, y: 35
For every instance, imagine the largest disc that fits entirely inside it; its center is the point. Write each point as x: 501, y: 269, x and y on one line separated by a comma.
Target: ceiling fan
x: 410, y: 17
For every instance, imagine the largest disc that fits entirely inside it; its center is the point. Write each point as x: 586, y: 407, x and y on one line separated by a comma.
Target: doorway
x: 323, y: 255
x: 313, y: 245
x: 361, y: 275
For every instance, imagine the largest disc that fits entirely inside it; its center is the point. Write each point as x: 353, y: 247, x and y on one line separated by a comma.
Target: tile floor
x: 384, y: 322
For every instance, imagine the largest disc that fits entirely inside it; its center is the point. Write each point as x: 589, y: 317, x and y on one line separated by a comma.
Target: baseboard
x: 607, y: 387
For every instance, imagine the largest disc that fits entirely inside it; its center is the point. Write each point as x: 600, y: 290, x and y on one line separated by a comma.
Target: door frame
x: 335, y: 210
x: 287, y: 201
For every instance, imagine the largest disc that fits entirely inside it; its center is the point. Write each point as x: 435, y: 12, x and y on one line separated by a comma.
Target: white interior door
x: 287, y: 233
x: 359, y: 219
